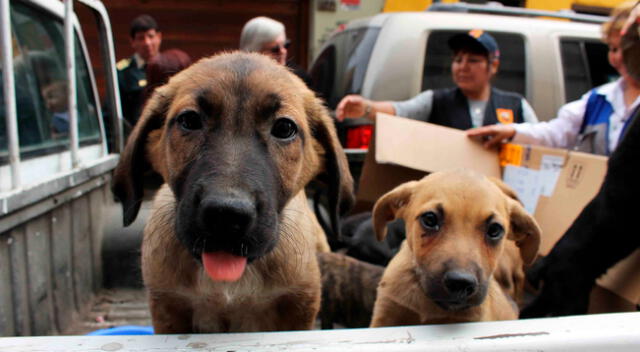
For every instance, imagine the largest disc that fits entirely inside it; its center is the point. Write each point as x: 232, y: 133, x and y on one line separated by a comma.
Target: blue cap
x: 476, y: 40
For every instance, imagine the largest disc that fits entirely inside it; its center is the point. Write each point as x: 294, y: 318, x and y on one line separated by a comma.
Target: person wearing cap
x: 473, y: 102
x: 145, y: 38
x: 596, y: 121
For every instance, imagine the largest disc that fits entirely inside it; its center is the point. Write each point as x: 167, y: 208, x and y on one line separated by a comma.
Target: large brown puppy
x: 231, y: 242
x: 456, y: 224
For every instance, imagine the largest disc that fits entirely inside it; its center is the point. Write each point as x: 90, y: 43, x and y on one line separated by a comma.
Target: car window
x: 511, y: 73
x: 40, y: 87
x: 585, y: 65
x: 341, y: 67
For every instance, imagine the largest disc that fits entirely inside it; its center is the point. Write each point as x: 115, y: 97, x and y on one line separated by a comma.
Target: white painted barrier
x: 605, y: 332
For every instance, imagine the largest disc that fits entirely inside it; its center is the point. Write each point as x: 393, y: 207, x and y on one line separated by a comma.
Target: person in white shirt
x: 592, y: 124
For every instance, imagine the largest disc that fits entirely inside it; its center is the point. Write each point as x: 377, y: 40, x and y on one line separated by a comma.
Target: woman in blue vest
x: 471, y: 103
x: 593, y: 124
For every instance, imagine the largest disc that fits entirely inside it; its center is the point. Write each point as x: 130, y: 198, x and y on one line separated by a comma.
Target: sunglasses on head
x: 276, y: 49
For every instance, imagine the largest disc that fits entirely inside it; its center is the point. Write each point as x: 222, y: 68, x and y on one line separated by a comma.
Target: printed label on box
x: 575, y: 176
x: 550, y: 168
x: 526, y: 183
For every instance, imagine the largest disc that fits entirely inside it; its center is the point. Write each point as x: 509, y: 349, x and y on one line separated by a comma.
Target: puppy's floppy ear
x: 336, y: 169
x: 524, y: 230
x: 128, y: 179
x: 504, y: 188
x: 389, y: 205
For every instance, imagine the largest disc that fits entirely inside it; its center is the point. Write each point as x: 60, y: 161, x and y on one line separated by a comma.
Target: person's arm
x: 417, y: 108
x: 494, y: 135
x: 560, y: 132
x: 354, y: 106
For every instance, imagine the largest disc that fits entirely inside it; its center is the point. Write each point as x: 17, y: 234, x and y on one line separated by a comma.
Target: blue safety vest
x: 594, y: 132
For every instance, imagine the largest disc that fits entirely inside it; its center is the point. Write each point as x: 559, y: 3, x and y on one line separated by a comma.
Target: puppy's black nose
x: 460, y: 283
x: 228, y: 216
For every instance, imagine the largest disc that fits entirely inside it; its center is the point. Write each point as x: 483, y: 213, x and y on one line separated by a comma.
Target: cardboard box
x: 554, y: 184
x: 403, y: 149
x: 557, y: 185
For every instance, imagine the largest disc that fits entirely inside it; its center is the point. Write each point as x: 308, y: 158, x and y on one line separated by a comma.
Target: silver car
x: 394, y: 56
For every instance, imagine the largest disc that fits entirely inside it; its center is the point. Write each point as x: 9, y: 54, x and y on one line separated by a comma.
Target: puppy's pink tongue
x: 222, y: 266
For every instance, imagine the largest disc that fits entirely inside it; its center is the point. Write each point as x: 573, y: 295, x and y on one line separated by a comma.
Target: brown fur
x: 348, y: 290
x: 467, y: 205
x: 240, y: 97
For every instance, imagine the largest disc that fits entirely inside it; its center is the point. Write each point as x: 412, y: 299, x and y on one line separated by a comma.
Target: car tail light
x: 358, y: 137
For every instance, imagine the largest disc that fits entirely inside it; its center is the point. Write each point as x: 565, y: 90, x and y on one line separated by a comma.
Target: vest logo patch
x: 504, y: 115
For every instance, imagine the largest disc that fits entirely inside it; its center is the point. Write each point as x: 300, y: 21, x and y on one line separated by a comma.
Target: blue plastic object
x: 124, y: 330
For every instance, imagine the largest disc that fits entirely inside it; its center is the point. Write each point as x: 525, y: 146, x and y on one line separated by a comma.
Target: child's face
x: 55, y: 98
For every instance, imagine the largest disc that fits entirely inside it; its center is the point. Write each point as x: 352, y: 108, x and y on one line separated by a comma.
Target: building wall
x: 200, y: 27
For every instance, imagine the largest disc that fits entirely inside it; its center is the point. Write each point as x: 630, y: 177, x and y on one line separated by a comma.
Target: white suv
x: 394, y: 56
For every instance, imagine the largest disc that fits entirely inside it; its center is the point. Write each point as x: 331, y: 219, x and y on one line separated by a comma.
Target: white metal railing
x: 71, y: 78
x: 618, y: 332
x: 9, y: 94
x: 8, y: 81
x: 109, y: 64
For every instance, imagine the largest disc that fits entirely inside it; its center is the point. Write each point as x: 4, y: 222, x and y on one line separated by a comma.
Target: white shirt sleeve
x: 560, y: 132
x: 417, y: 108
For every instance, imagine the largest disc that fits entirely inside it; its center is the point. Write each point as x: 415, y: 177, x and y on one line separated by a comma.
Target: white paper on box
x: 526, y: 183
x: 550, y: 168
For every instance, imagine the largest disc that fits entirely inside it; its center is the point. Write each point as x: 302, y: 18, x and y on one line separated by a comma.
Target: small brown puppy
x: 231, y: 242
x: 456, y: 224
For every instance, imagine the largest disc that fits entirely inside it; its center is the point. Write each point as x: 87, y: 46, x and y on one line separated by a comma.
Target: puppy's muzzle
x: 454, y: 289
x: 228, y: 219
x: 460, y: 285
x: 233, y: 215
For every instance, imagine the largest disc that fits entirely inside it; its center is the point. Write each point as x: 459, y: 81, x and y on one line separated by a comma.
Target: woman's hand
x: 352, y: 106
x: 494, y: 135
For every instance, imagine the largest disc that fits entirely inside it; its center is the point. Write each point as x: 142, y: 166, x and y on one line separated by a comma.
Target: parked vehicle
x: 394, y: 56
x: 55, y: 168
x: 54, y: 164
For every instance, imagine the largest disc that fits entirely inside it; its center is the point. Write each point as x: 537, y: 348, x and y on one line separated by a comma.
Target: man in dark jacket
x: 145, y: 40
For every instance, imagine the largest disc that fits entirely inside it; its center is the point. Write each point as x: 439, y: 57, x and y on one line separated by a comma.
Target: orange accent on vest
x: 504, y: 115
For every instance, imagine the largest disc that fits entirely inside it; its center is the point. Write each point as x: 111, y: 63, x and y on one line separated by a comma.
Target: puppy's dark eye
x: 430, y: 221
x: 495, y: 231
x: 189, y: 120
x: 284, y: 128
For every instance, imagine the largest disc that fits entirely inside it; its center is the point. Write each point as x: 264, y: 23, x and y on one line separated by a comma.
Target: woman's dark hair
x: 163, y: 66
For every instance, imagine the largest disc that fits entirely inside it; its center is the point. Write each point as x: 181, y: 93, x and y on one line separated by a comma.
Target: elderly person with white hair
x: 268, y: 36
